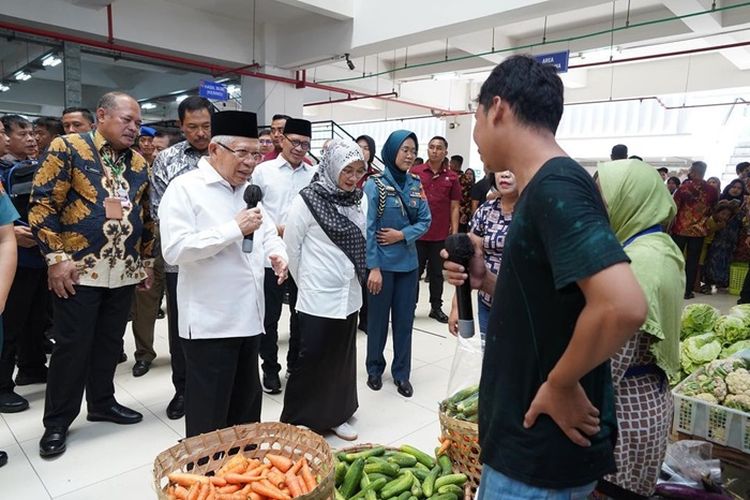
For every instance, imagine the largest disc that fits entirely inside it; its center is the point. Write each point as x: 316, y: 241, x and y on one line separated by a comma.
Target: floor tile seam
x: 100, y: 481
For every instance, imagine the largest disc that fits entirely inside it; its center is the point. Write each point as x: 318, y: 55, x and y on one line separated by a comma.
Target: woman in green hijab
x: 639, y: 206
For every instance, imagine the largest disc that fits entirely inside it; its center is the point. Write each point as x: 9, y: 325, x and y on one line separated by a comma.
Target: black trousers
x: 269, y: 348
x: 25, y: 320
x: 177, y: 357
x: 89, y: 327
x: 694, y: 245
x: 428, y: 253
x: 222, y: 387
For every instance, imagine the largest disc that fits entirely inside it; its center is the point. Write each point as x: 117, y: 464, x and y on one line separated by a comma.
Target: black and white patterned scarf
x: 337, y: 211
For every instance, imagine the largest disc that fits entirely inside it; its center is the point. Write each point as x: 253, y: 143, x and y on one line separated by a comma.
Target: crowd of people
x: 578, y: 304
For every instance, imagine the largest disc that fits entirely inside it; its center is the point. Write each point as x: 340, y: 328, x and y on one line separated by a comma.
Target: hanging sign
x: 213, y: 90
x: 558, y: 59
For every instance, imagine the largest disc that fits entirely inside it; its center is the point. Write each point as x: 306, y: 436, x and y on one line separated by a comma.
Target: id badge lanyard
x: 118, y: 201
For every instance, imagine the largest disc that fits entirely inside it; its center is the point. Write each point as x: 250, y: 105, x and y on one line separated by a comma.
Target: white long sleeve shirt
x: 280, y: 183
x: 220, y: 288
x: 326, y: 279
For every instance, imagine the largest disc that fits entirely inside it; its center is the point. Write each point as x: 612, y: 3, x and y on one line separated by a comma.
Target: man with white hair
x: 203, y: 220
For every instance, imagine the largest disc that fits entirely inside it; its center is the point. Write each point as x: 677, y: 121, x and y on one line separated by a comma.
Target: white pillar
x: 267, y: 98
x: 459, y: 135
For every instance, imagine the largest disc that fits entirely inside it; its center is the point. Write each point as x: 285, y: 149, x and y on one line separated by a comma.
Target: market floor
x: 111, y: 461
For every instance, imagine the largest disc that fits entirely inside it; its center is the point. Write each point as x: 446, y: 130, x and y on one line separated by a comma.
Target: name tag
x: 113, y: 209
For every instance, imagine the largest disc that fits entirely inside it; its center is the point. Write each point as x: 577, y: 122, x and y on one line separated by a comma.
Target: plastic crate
x: 716, y: 423
x: 737, y: 273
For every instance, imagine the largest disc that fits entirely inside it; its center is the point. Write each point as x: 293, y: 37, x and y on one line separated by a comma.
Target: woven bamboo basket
x: 206, y: 453
x: 464, y: 450
x: 469, y: 490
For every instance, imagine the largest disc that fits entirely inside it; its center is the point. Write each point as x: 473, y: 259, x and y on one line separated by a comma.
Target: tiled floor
x: 110, y: 461
x: 115, y: 462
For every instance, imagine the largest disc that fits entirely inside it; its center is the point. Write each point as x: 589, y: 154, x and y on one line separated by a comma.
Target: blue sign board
x: 558, y: 59
x: 213, y: 90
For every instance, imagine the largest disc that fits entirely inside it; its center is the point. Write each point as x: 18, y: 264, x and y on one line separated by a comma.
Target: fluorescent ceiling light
x: 4, y: 87
x: 445, y: 76
x: 21, y: 76
x: 51, y: 60
x: 148, y: 105
x: 181, y: 97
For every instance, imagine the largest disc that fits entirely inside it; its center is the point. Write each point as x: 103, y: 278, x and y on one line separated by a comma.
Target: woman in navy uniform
x: 398, y: 216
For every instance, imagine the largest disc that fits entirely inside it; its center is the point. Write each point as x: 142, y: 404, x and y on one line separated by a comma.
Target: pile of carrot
x: 274, y: 478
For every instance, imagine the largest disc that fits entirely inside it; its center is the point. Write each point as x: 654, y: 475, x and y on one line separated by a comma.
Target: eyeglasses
x: 242, y: 154
x: 408, y: 151
x: 303, y: 145
x: 265, y: 142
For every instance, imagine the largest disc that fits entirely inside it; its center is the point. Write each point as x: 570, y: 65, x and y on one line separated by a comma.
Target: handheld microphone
x: 460, y: 250
x: 252, y: 197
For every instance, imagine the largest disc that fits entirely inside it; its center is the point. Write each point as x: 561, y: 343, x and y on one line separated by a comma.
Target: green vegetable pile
x: 724, y: 381
x: 463, y: 405
x: 706, y: 335
x: 406, y: 474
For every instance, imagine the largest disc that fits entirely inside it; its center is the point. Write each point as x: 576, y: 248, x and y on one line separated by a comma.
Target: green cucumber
x: 416, y: 488
x: 337, y: 494
x: 463, y: 394
x: 451, y: 488
x: 468, y: 402
x: 353, y: 477
x: 406, y: 495
x: 403, y: 459
x: 377, y: 475
x: 421, y: 474
x: 399, y: 485
x: 382, y: 468
x: 372, y: 487
x: 422, y: 458
x: 428, y: 485
x: 372, y: 452
x: 445, y: 496
x: 423, y: 467
x: 458, y: 479
x: 340, y: 473
x: 446, y: 466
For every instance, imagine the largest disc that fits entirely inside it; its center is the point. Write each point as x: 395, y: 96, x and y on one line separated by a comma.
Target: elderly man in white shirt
x: 280, y: 180
x: 204, y: 220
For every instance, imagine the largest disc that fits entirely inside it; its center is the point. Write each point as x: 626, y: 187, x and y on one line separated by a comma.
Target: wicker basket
x: 737, y: 273
x: 464, y: 450
x: 208, y: 452
x: 469, y: 490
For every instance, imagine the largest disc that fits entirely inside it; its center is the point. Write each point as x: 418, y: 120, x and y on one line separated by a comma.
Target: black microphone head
x: 253, y: 195
x: 460, y: 248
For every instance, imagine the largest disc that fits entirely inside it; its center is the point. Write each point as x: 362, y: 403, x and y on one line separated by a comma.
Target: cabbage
x: 731, y: 329
x: 735, y: 348
x: 698, y: 350
x: 741, y: 311
x: 698, y: 319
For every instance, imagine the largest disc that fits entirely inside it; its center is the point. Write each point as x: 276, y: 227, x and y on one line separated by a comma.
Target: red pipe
x: 212, y: 68
x: 350, y: 98
x: 110, y: 32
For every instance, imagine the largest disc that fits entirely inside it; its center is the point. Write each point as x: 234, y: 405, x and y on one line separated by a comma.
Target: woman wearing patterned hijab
x: 325, y: 239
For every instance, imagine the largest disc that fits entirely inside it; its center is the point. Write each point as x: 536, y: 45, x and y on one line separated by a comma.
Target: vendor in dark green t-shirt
x: 565, y: 301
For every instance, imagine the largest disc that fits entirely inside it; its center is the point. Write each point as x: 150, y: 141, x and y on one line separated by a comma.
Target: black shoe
x: 374, y: 382
x: 123, y: 357
x: 140, y: 368
x: 271, y: 383
x: 24, y: 379
x: 439, y: 315
x: 3, y: 458
x: 160, y: 314
x: 116, y: 413
x: 689, y: 295
x: 404, y: 388
x: 53, y: 441
x: 176, y: 407
x: 10, y: 402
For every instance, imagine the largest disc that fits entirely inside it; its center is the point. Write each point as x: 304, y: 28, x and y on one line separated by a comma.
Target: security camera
x: 349, y: 62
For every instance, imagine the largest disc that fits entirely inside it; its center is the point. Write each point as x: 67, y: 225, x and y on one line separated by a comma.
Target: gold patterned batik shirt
x: 67, y: 211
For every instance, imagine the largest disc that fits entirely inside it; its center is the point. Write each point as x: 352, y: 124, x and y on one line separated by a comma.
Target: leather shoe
x: 10, y: 402
x: 53, y: 441
x: 438, y: 315
x: 404, y: 388
x: 3, y: 458
x: 140, y: 368
x: 271, y: 383
x: 176, y: 407
x: 374, y: 382
x: 116, y: 413
x: 25, y: 379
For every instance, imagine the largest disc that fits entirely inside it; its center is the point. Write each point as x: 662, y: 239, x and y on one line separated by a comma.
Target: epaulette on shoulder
x: 415, y: 176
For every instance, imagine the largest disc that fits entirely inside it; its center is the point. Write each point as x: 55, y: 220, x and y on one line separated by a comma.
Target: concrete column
x: 72, y: 73
x: 267, y: 98
x: 459, y: 135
